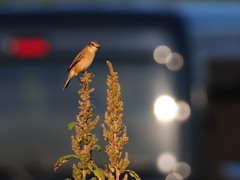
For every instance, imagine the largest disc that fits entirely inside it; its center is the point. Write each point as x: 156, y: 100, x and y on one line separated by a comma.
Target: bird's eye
x: 92, y: 44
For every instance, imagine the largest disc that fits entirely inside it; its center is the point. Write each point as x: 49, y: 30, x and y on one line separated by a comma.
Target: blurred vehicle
x: 161, y: 53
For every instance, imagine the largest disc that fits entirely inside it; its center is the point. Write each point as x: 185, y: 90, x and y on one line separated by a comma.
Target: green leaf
x: 133, y: 174
x: 71, y: 125
x: 92, y: 106
x: 99, y: 173
x: 98, y: 147
x: 90, y: 166
x: 68, y: 179
x: 61, y: 161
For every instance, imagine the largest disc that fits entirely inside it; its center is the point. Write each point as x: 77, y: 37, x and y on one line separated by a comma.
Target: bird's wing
x: 78, y: 58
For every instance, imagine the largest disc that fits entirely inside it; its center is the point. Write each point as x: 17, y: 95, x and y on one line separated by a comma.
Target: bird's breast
x: 84, y: 63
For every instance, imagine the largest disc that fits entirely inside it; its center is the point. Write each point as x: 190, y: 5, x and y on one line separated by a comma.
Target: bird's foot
x: 79, y: 79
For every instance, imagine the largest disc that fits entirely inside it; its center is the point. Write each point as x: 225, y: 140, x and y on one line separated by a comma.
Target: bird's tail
x: 70, y: 76
x: 67, y: 83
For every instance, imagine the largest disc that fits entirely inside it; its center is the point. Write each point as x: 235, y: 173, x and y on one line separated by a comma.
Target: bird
x: 82, y: 61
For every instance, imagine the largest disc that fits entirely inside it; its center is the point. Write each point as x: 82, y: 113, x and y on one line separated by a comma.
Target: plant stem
x: 84, y: 174
x: 117, y: 174
x: 117, y: 171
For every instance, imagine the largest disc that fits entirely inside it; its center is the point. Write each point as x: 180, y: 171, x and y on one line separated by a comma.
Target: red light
x: 29, y: 47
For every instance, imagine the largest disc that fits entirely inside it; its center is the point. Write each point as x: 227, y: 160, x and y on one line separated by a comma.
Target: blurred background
x: 179, y: 69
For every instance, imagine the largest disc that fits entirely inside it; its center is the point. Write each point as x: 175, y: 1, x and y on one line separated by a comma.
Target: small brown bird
x: 82, y: 61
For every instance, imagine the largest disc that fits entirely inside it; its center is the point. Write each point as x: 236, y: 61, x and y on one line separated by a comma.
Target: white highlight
x: 174, y: 176
x: 162, y: 54
x: 184, y: 111
x: 165, y: 108
x: 175, y: 63
x: 165, y: 162
x: 182, y: 169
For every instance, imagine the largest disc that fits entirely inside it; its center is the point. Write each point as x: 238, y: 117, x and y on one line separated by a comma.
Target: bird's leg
x: 79, y: 78
x: 89, y: 73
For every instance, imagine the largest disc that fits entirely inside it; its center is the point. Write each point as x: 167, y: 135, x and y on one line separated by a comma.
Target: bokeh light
x: 162, y: 54
x: 199, y: 96
x: 174, y: 176
x: 166, y: 162
x: 175, y: 63
x: 184, y: 111
x: 165, y: 108
x: 182, y: 169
